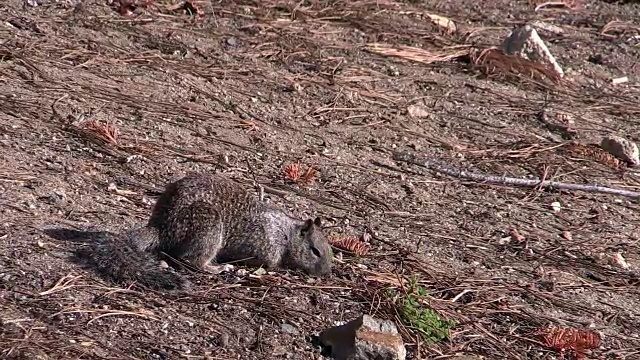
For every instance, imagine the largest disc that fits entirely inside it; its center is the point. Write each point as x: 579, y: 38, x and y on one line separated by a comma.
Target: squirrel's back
x: 227, y: 200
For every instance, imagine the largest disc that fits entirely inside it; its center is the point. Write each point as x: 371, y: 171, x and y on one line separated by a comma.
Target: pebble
x: 289, y: 329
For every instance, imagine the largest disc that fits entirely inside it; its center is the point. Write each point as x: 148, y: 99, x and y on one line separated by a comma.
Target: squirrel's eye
x: 315, y: 251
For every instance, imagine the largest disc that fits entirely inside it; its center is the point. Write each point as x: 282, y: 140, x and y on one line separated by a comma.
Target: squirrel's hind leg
x: 203, y: 235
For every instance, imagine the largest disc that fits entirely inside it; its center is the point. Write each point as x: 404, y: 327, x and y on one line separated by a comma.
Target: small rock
x: 228, y: 267
x: 260, y: 271
x: 392, y: 71
x: 289, y: 329
x: 620, y: 261
x: 223, y: 339
x: 443, y: 22
x: 505, y: 240
x: 242, y: 272
x: 526, y: 43
x: 201, y: 130
x: 417, y: 111
x: 365, y: 338
x: 621, y: 148
x: 556, y: 206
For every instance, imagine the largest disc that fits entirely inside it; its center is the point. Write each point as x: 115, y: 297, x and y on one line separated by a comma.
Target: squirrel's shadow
x: 79, y: 254
x: 77, y: 236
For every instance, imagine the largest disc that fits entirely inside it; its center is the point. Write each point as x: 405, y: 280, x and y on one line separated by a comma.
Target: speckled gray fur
x: 205, y: 219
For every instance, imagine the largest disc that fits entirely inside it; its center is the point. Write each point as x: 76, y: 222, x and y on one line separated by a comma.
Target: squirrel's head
x: 309, y: 250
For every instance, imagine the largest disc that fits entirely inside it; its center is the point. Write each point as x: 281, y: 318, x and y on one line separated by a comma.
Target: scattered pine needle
x: 107, y: 132
x: 64, y: 283
x: 493, y: 61
x: 618, y: 27
x: 568, y: 4
x: 108, y: 312
x: 415, y: 54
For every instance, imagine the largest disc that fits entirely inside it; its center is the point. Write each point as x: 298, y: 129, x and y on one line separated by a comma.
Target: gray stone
x: 289, y: 329
x: 365, y: 338
x: 526, y: 43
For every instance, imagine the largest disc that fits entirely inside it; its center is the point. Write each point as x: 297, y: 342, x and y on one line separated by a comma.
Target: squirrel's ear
x: 317, y: 222
x: 307, y: 225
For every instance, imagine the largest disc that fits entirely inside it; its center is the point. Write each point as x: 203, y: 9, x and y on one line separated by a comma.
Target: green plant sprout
x: 414, y: 314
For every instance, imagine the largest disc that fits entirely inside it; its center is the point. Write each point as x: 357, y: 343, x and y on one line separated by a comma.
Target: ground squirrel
x: 204, y: 218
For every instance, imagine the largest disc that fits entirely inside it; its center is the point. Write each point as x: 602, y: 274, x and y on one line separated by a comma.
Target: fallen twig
x: 505, y: 180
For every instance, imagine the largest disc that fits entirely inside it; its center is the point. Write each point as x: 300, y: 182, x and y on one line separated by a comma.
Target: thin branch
x: 504, y: 180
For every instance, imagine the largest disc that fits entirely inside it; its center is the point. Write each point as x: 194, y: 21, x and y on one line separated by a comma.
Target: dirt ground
x: 245, y: 88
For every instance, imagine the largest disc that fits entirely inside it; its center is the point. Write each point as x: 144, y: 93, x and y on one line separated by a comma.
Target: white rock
x: 621, y: 148
x: 620, y: 261
x: 526, y: 43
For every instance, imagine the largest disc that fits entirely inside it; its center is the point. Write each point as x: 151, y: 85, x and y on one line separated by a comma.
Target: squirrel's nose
x: 324, y: 269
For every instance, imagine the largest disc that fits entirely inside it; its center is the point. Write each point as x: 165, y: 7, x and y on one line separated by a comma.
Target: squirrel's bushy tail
x: 121, y: 258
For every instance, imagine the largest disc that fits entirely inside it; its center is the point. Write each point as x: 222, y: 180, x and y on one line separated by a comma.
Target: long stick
x: 504, y: 180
